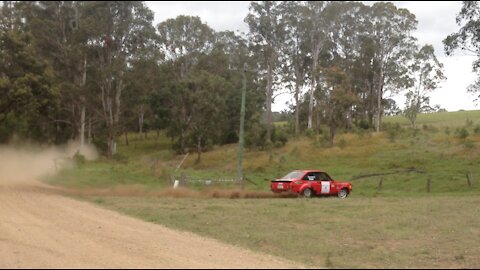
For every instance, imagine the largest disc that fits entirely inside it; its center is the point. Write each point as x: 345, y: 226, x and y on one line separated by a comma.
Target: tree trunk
x: 332, y: 133
x: 126, y: 137
x: 297, y: 109
x: 140, y: 121
x: 312, y: 87
x: 269, y: 101
x: 199, y: 149
x: 83, y: 82
x: 82, y: 126
x: 379, y: 102
x: 89, y: 132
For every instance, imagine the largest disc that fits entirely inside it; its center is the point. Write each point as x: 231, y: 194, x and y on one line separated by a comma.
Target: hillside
x: 404, y: 159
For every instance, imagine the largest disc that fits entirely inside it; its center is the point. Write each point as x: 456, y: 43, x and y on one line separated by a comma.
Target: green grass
x: 358, y: 232
x: 441, y: 119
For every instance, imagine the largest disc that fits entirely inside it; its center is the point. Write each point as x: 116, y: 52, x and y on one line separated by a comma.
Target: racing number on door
x: 325, y: 187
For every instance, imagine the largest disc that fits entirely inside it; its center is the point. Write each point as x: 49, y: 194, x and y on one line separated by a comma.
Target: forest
x: 93, y: 71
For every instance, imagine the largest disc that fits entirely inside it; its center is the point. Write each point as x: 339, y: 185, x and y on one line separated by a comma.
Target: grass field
x: 420, y: 232
x: 399, y: 225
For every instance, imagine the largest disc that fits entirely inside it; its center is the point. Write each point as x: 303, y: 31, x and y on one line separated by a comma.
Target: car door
x: 311, y: 179
x: 327, y: 186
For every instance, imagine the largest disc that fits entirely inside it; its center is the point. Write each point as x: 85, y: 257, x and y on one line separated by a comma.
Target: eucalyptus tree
x: 267, y: 32
x: 182, y: 41
x: 394, y: 45
x: 426, y: 74
x: 295, y: 61
x: 467, y: 39
x: 338, y: 98
x: 28, y: 92
x: 119, y: 30
x: 62, y: 41
x: 319, y: 26
x: 347, y: 51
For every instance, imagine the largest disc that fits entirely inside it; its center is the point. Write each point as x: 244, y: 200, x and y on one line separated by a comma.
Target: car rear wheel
x: 343, y: 193
x: 307, y: 193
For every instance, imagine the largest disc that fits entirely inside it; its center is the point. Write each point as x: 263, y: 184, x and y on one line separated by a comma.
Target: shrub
x: 79, y: 159
x: 342, y: 143
x: 392, y: 130
x: 461, y: 133
x: 447, y: 131
x: 476, y: 130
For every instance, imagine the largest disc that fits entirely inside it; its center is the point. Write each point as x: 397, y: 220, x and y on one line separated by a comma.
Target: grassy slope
x: 444, y: 158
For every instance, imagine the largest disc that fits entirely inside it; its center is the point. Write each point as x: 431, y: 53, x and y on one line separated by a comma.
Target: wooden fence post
x: 469, y: 179
x: 380, y: 184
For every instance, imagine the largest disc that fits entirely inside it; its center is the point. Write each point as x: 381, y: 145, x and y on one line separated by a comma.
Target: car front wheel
x: 343, y: 193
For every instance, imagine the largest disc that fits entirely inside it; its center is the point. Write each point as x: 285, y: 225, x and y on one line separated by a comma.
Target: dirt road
x: 41, y: 229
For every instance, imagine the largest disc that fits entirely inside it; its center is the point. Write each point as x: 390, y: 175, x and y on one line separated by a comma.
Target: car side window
x: 310, y: 177
x: 323, y: 177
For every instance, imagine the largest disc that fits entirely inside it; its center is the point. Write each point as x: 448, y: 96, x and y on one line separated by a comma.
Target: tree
x: 267, y: 34
x: 391, y: 30
x: 294, y: 51
x: 207, y: 91
x: 426, y: 73
x: 143, y: 78
x: 182, y: 40
x: 337, y: 99
x: 59, y: 37
x: 319, y: 28
x: 27, y: 89
x: 467, y: 39
x: 120, y: 29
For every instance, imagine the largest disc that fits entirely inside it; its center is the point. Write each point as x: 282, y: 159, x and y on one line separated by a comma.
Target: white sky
x: 436, y: 20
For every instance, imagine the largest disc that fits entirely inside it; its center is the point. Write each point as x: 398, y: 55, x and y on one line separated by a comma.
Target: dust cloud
x: 28, y: 163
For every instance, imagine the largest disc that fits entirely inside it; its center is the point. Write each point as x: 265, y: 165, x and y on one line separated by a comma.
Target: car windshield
x: 293, y: 175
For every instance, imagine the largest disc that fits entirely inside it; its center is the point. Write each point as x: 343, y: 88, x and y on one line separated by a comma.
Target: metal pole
x: 242, y: 120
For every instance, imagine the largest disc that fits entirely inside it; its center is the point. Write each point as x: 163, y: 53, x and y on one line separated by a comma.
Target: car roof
x: 305, y: 171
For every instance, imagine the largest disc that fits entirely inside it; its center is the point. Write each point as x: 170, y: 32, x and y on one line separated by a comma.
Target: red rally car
x: 309, y: 183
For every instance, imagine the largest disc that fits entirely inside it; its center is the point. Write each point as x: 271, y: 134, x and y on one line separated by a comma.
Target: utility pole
x: 242, y: 120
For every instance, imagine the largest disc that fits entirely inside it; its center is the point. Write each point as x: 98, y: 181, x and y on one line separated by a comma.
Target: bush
x: 79, y: 159
x: 461, y: 133
x: 447, y: 131
x: 363, y: 124
x: 342, y: 143
x: 258, y: 137
x: 279, y: 137
x: 310, y: 133
x: 392, y: 130
x: 120, y: 158
x: 476, y: 130
x: 430, y: 128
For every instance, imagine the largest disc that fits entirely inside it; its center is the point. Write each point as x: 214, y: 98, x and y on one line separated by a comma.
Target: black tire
x: 307, y: 193
x: 342, y: 194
